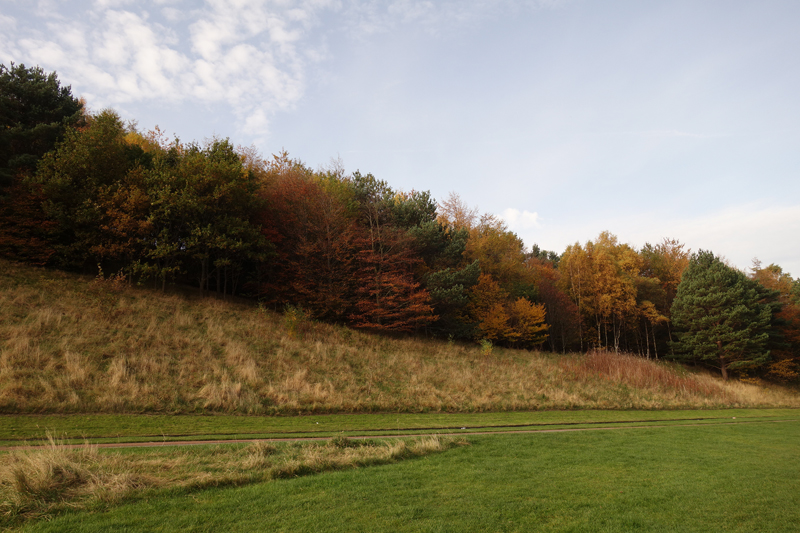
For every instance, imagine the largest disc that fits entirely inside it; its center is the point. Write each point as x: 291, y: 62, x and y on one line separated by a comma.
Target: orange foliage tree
x: 562, y: 314
x: 785, y: 342
x: 308, y: 220
x: 388, y: 295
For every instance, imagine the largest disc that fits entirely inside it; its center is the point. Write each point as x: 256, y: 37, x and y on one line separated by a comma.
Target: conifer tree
x: 35, y: 112
x: 720, y: 317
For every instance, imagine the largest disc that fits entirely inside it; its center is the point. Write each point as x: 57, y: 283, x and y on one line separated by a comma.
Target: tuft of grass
x: 34, y: 483
x: 43, y: 482
x: 69, y: 344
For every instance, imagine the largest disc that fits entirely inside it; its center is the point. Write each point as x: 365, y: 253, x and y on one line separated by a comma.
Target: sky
x: 651, y: 120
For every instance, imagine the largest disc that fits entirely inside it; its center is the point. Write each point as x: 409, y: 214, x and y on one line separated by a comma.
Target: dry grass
x: 68, y: 344
x: 36, y: 483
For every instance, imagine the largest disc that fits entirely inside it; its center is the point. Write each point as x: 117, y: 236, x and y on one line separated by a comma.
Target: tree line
x: 85, y: 191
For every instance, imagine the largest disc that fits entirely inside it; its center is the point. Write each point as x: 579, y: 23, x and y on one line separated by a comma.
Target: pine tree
x: 720, y: 317
x: 35, y: 112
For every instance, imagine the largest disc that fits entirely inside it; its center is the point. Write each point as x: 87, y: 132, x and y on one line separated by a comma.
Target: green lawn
x: 22, y: 429
x: 739, y: 477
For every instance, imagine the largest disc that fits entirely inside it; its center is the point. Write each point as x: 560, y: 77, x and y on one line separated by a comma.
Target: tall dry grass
x: 36, y: 483
x: 68, y: 344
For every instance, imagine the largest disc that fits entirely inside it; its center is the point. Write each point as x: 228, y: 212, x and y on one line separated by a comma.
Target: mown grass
x: 707, y: 478
x: 71, y: 345
x: 42, y: 482
x: 18, y: 430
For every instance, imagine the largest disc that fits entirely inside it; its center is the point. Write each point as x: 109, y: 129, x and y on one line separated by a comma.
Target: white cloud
x: 8, y: 24
x: 47, y: 9
x: 747, y: 231
x: 519, y: 221
x: 248, y: 55
x: 8, y: 49
x: 44, y: 52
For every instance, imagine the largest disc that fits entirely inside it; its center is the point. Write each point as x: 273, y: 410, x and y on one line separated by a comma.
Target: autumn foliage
x: 335, y: 246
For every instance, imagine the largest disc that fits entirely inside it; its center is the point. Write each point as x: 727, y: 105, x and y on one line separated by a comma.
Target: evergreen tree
x: 720, y: 316
x: 35, y: 112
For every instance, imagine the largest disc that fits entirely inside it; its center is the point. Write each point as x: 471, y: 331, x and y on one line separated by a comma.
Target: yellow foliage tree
x: 514, y: 322
x: 528, y: 322
x: 601, y: 279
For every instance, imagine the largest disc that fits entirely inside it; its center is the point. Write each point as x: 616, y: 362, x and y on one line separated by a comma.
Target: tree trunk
x: 655, y: 347
x: 722, y: 366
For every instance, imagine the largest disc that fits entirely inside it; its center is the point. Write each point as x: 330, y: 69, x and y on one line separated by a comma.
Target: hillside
x: 73, y: 344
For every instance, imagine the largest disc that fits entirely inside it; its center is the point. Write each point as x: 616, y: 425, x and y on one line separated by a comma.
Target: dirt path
x: 466, y: 432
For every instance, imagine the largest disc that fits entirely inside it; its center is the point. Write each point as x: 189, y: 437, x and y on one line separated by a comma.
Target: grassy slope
x: 68, y: 344
x: 723, y: 478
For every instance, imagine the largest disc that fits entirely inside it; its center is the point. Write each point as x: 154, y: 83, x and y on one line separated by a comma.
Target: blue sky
x: 648, y: 119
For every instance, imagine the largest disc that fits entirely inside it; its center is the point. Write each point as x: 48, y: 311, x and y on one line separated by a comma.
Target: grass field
x: 17, y: 430
x: 40, y: 483
x: 741, y: 477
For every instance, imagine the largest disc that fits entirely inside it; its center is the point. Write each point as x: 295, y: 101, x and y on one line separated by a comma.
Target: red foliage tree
x: 314, y: 234
x: 25, y: 229
x: 388, y: 296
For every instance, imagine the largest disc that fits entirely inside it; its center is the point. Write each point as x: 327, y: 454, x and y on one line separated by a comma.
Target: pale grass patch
x: 152, y: 328
x: 17, y: 353
x: 223, y: 393
x: 119, y: 372
x: 670, y: 386
x: 749, y: 394
x: 76, y: 369
x: 237, y: 356
x: 46, y: 317
x: 149, y: 364
x: 297, y: 390
x: 215, y: 331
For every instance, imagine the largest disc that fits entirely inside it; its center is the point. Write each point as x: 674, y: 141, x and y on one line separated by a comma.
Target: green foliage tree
x: 202, y: 215
x: 450, y: 289
x: 446, y: 274
x: 35, y: 112
x: 720, y: 317
x: 88, y: 160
